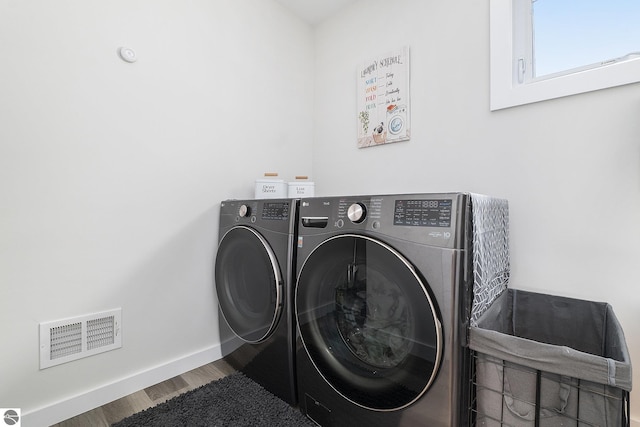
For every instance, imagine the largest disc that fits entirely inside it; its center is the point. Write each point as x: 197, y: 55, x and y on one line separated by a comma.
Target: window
x: 545, y: 49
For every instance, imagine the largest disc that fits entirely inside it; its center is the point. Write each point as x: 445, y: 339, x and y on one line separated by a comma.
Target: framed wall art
x: 383, y: 99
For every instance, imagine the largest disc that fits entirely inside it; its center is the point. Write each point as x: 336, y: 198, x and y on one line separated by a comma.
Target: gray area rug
x: 234, y: 400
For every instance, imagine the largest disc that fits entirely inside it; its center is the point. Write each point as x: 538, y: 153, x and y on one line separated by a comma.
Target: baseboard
x: 69, y: 408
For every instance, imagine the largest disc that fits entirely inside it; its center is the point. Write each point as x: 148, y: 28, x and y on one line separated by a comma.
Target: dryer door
x: 248, y: 283
x: 368, y: 323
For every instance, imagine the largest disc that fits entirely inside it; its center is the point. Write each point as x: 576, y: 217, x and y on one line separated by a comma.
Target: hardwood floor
x: 115, y: 411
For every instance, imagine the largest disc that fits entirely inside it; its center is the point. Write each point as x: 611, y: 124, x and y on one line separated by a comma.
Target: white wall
x: 570, y: 168
x: 111, y: 173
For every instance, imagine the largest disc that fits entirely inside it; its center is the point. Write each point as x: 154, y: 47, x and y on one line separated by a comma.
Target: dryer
x: 382, y: 300
x: 253, y: 279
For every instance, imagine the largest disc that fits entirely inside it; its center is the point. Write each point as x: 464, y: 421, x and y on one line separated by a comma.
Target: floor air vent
x: 65, y: 340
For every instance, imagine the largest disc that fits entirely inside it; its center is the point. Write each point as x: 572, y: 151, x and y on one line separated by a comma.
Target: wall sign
x: 383, y: 99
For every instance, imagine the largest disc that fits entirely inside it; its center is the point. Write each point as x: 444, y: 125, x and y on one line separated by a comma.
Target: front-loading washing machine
x: 253, y: 279
x: 383, y: 296
x: 397, y: 120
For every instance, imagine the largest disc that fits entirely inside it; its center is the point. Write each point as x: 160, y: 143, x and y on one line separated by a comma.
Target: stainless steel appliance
x: 253, y: 278
x: 382, y: 301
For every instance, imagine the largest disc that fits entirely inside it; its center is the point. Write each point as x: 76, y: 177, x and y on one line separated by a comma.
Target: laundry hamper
x: 544, y: 360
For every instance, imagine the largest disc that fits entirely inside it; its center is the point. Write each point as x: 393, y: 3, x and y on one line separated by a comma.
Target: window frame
x: 505, y: 89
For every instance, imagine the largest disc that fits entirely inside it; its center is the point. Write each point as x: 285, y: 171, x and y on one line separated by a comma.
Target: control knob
x: 244, y: 211
x: 357, y: 212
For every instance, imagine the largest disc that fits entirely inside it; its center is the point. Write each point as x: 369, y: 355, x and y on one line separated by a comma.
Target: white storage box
x: 300, y: 188
x: 270, y: 187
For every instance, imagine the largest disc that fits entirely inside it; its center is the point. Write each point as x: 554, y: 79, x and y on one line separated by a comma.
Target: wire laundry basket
x: 543, y: 360
x: 512, y: 395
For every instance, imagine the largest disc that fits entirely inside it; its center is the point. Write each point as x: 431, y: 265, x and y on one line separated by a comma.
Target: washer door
x: 368, y: 323
x: 248, y: 283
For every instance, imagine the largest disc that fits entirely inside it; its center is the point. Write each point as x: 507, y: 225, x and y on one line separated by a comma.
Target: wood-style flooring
x: 117, y: 410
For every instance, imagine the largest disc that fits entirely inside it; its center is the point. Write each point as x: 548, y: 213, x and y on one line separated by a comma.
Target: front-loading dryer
x: 253, y: 279
x: 382, y: 301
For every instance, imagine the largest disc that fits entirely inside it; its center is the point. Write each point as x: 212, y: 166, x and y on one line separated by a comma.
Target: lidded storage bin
x: 270, y: 187
x: 544, y: 360
x: 301, y: 188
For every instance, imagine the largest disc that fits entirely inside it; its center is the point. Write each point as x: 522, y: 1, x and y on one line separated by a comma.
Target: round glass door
x: 368, y: 323
x: 248, y: 284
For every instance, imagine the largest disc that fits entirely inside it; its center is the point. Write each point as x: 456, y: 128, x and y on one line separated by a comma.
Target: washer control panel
x: 423, y: 212
x: 428, y: 218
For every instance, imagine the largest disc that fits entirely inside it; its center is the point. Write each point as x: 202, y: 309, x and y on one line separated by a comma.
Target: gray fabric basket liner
x: 565, y: 336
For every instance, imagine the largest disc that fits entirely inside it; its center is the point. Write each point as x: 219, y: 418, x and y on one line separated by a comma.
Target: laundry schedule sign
x: 383, y: 99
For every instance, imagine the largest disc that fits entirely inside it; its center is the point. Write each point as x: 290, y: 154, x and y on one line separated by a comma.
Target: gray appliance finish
x: 253, y: 279
x: 383, y: 296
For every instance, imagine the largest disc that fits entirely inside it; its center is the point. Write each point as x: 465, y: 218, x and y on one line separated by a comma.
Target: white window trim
x: 507, y: 92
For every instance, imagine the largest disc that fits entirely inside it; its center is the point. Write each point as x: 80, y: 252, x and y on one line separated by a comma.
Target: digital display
x: 423, y: 213
x: 275, y: 210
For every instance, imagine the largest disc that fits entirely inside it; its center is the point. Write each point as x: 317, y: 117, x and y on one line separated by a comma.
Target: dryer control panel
x: 267, y: 215
x: 275, y: 211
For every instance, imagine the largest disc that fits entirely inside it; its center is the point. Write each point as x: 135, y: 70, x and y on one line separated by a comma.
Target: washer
x: 396, y: 119
x: 253, y: 277
x: 382, y: 300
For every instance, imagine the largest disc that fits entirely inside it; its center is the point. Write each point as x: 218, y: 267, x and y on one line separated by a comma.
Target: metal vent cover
x: 100, y: 332
x: 65, y: 340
